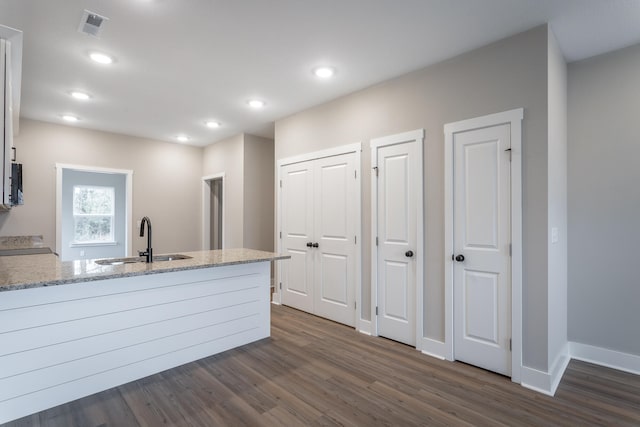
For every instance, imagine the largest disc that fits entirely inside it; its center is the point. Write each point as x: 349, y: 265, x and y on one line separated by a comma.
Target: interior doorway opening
x: 215, y: 219
x: 213, y: 212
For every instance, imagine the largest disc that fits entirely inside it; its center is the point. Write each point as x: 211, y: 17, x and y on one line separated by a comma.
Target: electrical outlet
x: 554, y: 235
x: 81, y: 253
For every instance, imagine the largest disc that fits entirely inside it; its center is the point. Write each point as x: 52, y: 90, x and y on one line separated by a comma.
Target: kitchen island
x: 71, y: 329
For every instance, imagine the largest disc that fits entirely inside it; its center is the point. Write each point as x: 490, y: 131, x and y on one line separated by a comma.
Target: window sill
x: 85, y: 244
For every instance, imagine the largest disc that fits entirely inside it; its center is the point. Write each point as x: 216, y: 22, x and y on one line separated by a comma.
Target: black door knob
x: 460, y: 258
x: 309, y: 244
x: 315, y: 245
x: 408, y: 254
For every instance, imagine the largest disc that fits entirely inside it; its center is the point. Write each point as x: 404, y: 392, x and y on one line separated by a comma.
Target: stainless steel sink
x: 132, y: 260
x: 119, y: 261
x: 172, y: 257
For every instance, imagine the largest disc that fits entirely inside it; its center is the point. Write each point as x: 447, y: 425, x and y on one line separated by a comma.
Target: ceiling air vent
x: 92, y: 23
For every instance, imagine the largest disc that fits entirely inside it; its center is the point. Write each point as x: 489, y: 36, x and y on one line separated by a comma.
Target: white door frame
x: 514, y: 119
x: 206, y: 209
x: 415, y: 137
x: 60, y: 167
x: 330, y: 152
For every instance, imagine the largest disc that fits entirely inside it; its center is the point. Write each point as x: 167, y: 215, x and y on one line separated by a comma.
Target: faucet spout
x: 149, y: 252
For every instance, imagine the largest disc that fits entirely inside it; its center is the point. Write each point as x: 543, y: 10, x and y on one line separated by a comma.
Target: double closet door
x: 318, y: 224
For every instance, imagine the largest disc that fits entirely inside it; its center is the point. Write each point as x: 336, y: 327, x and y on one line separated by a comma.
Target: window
x: 93, y: 214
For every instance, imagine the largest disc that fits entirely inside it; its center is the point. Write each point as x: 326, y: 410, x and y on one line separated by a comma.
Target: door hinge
x: 280, y: 183
x: 355, y: 240
x: 376, y: 311
x: 376, y: 240
x: 281, y: 234
x: 509, y: 151
x: 510, y: 249
x: 375, y: 168
x: 355, y: 305
x: 510, y: 344
x: 355, y: 174
x: 280, y: 285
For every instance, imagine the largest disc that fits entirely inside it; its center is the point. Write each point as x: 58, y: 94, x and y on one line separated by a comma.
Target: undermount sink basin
x: 131, y: 260
x: 172, y: 257
x: 119, y: 261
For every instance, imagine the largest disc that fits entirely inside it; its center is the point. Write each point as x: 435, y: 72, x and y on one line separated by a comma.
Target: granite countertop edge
x: 267, y: 257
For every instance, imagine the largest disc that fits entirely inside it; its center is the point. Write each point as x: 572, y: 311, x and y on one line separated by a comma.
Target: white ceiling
x: 180, y: 63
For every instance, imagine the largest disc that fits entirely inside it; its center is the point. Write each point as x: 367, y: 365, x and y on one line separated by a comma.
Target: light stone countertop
x: 33, y: 271
x: 22, y: 245
x: 8, y: 243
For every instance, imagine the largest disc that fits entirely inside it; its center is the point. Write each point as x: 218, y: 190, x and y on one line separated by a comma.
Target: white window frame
x: 60, y: 167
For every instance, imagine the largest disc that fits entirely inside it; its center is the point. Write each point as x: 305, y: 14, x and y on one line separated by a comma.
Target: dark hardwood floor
x: 315, y: 372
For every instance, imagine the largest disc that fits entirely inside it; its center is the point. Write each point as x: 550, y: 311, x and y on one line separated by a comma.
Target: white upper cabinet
x: 10, y: 79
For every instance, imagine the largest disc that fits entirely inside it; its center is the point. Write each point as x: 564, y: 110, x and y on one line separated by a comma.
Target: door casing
x: 412, y: 137
x: 514, y: 119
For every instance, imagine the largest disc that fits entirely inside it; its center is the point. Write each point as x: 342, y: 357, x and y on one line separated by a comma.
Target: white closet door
x: 482, y: 285
x: 397, y: 239
x: 335, y: 209
x: 297, y: 233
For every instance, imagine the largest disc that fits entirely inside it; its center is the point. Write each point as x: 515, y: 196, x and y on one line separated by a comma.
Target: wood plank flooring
x: 314, y: 372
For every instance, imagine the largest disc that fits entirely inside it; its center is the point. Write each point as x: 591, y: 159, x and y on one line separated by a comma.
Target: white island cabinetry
x: 60, y: 343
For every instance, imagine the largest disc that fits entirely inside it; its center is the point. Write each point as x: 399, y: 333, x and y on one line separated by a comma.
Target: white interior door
x: 335, y: 219
x: 481, y: 227
x: 397, y: 183
x: 297, y: 235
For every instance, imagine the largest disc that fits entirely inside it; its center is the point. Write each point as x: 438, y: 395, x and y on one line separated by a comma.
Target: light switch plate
x: 554, y: 235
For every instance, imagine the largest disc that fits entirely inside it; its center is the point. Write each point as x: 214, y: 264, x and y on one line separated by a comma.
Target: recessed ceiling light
x: 211, y: 124
x: 182, y: 138
x: 256, y: 103
x: 101, y: 58
x: 80, y: 95
x: 70, y: 118
x: 324, y: 72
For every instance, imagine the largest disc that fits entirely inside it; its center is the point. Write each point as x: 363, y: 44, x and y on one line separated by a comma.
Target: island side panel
x: 61, y: 343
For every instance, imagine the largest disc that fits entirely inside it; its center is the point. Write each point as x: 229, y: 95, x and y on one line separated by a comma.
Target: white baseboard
x: 364, y: 327
x: 536, y: 380
x: 434, y: 348
x: 604, y: 357
x: 546, y: 382
x: 275, y: 298
x: 558, y: 367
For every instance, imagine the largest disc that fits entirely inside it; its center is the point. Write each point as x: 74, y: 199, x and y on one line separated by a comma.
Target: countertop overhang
x: 34, y: 271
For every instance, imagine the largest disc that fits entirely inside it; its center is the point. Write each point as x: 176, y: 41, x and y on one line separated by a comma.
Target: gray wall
x: 247, y: 162
x: 508, y: 74
x: 604, y: 200
x: 557, y: 188
x: 258, y: 192
x: 228, y: 156
x: 166, y: 181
